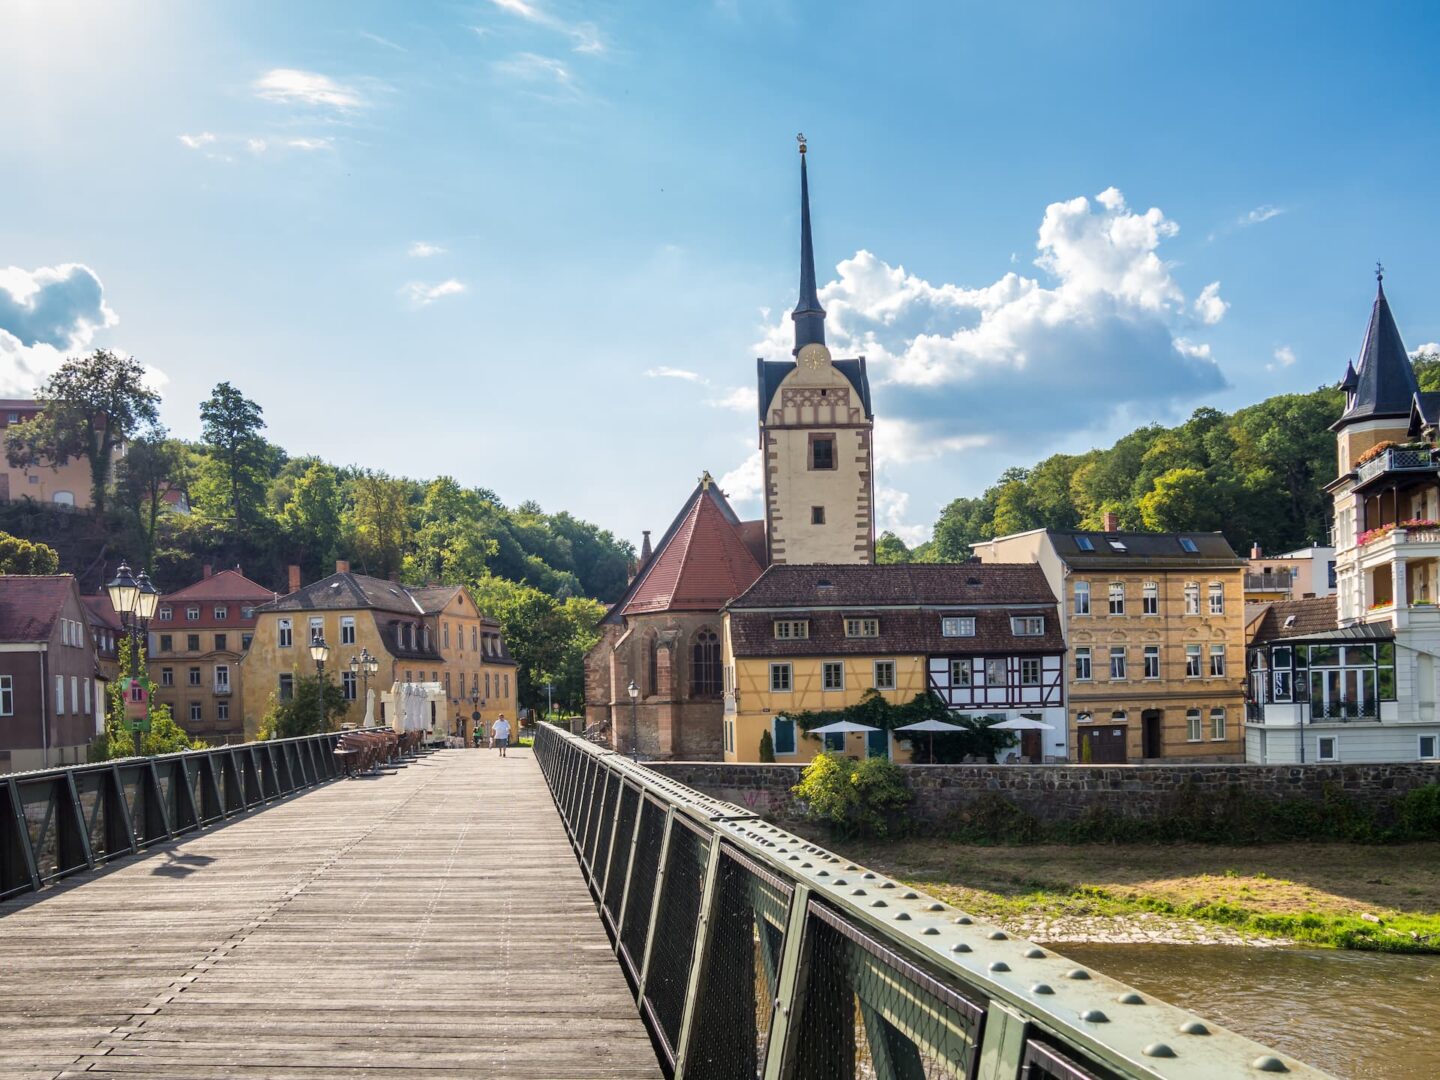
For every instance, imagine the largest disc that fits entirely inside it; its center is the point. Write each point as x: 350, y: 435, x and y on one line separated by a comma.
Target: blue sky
x: 538, y: 244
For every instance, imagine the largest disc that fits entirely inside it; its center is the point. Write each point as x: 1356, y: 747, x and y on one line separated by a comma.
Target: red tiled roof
x: 703, y: 561
x: 226, y: 585
x: 30, y: 605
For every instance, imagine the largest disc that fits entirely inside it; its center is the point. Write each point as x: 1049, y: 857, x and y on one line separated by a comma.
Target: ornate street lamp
x: 364, y: 665
x: 634, y: 692
x: 320, y: 652
x: 134, y: 600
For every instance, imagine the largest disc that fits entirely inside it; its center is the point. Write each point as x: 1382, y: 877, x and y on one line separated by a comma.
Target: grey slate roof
x: 771, y: 373
x: 1424, y: 412
x: 1213, y: 551
x: 340, y: 592
x: 1384, y: 379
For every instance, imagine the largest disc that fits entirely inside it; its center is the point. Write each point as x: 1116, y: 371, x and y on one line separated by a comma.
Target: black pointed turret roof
x: 809, y: 316
x: 1384, y: 380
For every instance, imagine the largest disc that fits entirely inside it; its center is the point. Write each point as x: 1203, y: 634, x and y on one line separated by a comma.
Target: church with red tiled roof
x: 655, y: 682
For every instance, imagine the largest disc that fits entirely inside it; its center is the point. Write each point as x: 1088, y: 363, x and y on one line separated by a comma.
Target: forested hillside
x: 546, y: 576
x: 1257, y: 475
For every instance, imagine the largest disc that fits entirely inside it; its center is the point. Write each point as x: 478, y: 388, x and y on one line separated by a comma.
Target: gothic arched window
x: 705, y: 664
x: 652, y: 656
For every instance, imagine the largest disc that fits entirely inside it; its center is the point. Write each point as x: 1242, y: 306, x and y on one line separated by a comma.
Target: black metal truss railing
x: 756, y: 955
x: 59, y: 822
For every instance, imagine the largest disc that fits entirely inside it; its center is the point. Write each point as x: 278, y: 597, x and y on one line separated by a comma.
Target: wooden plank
x: 431, y: 920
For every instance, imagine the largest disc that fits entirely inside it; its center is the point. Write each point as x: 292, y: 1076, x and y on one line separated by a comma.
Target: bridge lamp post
x: 320, y: 652
x: 134, y: 600
x: 634, y: 692
x: 364, y: 665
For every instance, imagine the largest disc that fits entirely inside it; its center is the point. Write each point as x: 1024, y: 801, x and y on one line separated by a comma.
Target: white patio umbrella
x: 931, y: 726
x: 1022, y: 723
x: 841, y: 727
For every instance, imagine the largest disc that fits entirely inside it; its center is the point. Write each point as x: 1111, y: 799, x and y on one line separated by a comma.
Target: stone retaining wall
x: 944, y: 793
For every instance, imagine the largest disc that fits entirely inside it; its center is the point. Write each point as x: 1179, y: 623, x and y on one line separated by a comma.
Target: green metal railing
x: 756, y: 955
x: 59, y: 822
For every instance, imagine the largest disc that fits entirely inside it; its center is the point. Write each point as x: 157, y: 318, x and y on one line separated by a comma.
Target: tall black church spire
x: 1384, y: 379
x: 809, y: 316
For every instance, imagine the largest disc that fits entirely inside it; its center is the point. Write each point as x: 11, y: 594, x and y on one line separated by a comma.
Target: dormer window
x: 862, y: 627
x: 1027, y: 625
x: 957, y: 626
x: 165, y: 614
x: 791, y: 629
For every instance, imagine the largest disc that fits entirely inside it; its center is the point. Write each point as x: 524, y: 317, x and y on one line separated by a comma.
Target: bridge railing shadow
x: 755, y: 954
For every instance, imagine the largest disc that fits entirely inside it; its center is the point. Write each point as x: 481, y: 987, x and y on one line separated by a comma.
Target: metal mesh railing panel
x: 619, y: 861
x: 645, y: 865
x: 676, y: 919
x: 1042, y: 1061
x: 882, y: 1016
x: 741, y: 973
x: 593, y: 816
x: 600, y: 847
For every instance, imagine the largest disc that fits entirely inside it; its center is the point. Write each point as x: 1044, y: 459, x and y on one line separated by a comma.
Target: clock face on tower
x: 813, y: 357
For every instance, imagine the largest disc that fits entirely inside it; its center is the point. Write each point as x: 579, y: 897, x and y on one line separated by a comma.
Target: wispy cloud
x: 305, y: 142
x: 197, y: 142
x: 739, y: 398
x: 1258, y: 215
x: 421, y: 294
x: 291, y: 86
x: 584, y: 36
x: 532, y: 67
x: 1284, y: 358
x: 386, y: 42
x: 420, y: 249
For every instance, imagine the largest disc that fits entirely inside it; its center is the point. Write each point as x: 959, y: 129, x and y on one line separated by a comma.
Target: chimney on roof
x: 294, y: 571
x: 1110, y: 522
x: 208, y: 570
x: 1255, y: 552
x: 342, y: 566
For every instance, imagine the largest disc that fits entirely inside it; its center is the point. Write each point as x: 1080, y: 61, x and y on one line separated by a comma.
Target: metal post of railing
x: 644, y: 965
x: 783, y: 1027
x: 704, y: 935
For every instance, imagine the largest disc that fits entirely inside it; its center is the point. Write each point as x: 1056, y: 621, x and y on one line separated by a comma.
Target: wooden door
x: 1106, y: 743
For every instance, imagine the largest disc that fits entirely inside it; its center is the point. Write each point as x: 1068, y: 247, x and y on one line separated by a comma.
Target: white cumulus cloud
x: 420, y: 293
x: 1430, y: 348
x: 46, y: 314
x: 1209, y: 308
x: 291, y: 86
x: 420, y: 249
x: 1284, y: 357
x: 196, y: 142
x: 745, y: 482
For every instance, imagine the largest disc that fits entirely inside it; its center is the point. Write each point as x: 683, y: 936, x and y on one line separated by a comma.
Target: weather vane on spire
x: 1379, y: 271
x: 800, y: 138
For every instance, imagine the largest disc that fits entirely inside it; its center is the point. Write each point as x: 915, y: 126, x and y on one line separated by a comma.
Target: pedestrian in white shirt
x: 500, y: 732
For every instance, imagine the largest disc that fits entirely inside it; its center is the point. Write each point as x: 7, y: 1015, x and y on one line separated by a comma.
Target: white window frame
x: 1320, y: 741
x: 1027, y: 625
x: 775, y: 736
x: 167, y: 676
x: 222, y: 678
x: 1116, y: 598
x: 193, y: 675
x: 1217, y: 598
x: 1194, y: 662
x: 1217, y: 652
x: 1434, y: 747
x: 222, y: 612
x: 1192, y: 598
x: 59, y: 695
x: 197, y: 712
x: 789, y: 670
x: 826, y: 668
x: 347, y: 631
x: 317, y: 629
x: 1118, y: 652
x: 1082, y: 597
x: 165, y: 614
x: 1219, y: 725
x: 862, y: 627
x: 894, y: 675
x: 284, y: 634
x: 1083, y: 653
x: 1031, y: 671
x: 1150, y: 598
x: 792, y: 629
x: 222, y: 711
x: 89, y: 705
x: 961, y: 672
x: 192, y: 613
x: 1194, y: 726
x: 957, y: 626
x: 1152, y: 652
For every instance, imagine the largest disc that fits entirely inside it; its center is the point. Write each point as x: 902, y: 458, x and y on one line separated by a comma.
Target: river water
x: 1354, y: 1014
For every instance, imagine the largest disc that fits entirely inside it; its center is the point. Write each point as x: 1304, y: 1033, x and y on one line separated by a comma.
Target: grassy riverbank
x: 1352, y: 896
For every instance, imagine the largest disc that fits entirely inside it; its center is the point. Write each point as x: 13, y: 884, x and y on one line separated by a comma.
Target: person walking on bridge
x: 500, y: 732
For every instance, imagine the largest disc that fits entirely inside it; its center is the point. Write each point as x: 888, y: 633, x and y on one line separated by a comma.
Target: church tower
x: 816, y: 436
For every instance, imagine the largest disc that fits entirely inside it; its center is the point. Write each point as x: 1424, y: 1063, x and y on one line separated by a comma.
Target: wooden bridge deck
x: 428, y: 922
